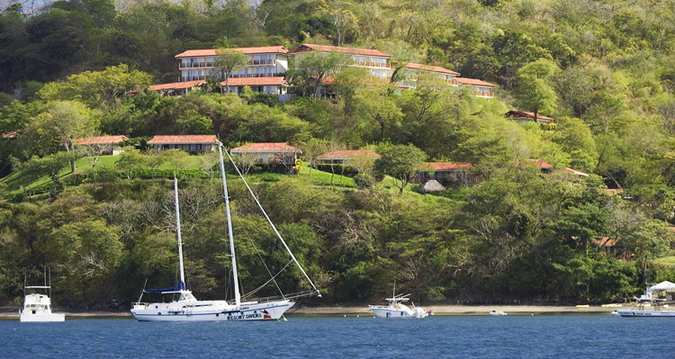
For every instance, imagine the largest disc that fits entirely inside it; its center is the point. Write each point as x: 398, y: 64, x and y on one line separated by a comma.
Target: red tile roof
x: 604, y: 242
x: 445, y: 166
x: 473, y: 82
x: 540, y: 164
x: 431, y: 68
x: 255, y: 81
x: 176, y: 85
x: 344, y: 50
x: 183, y: 139
x: 348, y: 154
x: 245, y: 50
x: 10, y: 134
x: 101, y: 140
x: 266, y: 147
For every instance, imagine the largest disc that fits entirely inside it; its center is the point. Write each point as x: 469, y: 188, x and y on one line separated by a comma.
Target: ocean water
x: 549, y: 336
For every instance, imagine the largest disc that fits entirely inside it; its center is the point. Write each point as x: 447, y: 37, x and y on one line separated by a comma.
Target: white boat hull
x: 398, y: 313
x: 246, y: 311
x: 646, y: 313
x: 29, y: 317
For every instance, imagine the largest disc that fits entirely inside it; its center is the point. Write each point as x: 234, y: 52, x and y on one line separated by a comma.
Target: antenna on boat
x: 230, y: 235
x: 178, y: 235
x: 269, y: 220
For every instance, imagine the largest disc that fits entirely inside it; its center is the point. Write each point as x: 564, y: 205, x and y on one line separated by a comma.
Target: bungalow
x: 177, y: 88
x: 267, y: 153
x: 103, y: 145
x: 447, y: 173
x: 547, y: 168
x: 480, y: 88
x: 346, y: 160
x: 188, y: 143
x: 524, y: 116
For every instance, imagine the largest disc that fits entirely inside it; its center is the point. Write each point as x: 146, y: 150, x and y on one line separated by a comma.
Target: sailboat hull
x: 251, y: 311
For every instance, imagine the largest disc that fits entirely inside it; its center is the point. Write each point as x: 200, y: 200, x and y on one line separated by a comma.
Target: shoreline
x: 440, y: 310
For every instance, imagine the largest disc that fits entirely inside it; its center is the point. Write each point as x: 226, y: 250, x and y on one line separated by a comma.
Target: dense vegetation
x: 604, y: 69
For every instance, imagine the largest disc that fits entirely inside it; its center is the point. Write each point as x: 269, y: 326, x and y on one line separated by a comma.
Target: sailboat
x: 396, y: 309
x: 37, y: 304
x: 185, y: 307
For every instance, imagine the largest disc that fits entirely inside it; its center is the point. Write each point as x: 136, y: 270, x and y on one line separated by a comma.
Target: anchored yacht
x: 396, y: 308
x: 37, y: 305
x: 185, y: 307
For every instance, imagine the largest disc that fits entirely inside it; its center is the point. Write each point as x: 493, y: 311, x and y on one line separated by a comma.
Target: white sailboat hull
x: 29, y: 317
x: 633, y: 313
x: 182, y: 312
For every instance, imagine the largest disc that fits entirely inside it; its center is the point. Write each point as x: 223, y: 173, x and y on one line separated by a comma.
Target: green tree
x: 227, y: 61
x: 310, y: 71
x: 534, y: 90
x: 400, y: 162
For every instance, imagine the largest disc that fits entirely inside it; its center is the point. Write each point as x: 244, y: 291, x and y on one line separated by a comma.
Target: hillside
x: 575, y: 204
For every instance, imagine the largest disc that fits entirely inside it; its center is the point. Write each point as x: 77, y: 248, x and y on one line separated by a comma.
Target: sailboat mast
x: 230, y: 235
x: 178, y: 235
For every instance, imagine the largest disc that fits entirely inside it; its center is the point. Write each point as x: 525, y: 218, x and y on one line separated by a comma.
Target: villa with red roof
x: 188, y: 143
x: 267, y: 153
x: 104, y: 145
x: 447, y: 173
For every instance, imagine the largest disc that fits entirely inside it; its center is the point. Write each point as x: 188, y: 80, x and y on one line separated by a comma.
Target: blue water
x: 563, y: 336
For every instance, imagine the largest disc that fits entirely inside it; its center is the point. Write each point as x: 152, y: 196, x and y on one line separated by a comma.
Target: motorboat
x: 651, y: 304
x: 497, y: 313
x: 37, y: 305
x: 396, y: 309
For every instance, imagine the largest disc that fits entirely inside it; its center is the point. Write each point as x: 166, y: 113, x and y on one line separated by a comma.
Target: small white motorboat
x: 497, y: 313
x: 37, y: 305
x: 397, y: 310
x: 651, y: 305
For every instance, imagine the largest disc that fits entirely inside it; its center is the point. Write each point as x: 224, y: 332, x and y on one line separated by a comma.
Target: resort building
x: 447, y: 173
x: 480, y: 88
x: 188, y: 143
x: 267, y: 85
x: 347, y: 162
x: 267, y: 154
x: 102, y: 145
x: 8, y: 135
x: 375, y: 61
x: 266, y: 61
x: 413, y: 71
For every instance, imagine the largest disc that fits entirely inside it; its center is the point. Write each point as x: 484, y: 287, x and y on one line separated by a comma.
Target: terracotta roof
x: 473, y: 82
x: 348, y: 154
x: 540, y: 164
x: 10, y: 134
x: 101, y: 140
x: 245, y: 50
x: 344, y: 50
x: 183, y: 139
x: 431, y: 68
x: 176, y: 85
x: 266, y: 147
x: 255, y: 81
x: 528, y: 115
x: 445, y: 166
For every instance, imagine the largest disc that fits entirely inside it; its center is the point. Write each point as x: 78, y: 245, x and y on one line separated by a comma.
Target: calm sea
x: 561, y: 336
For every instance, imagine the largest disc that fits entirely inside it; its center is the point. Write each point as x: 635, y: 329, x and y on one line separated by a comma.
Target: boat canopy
x: 667, y: 286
